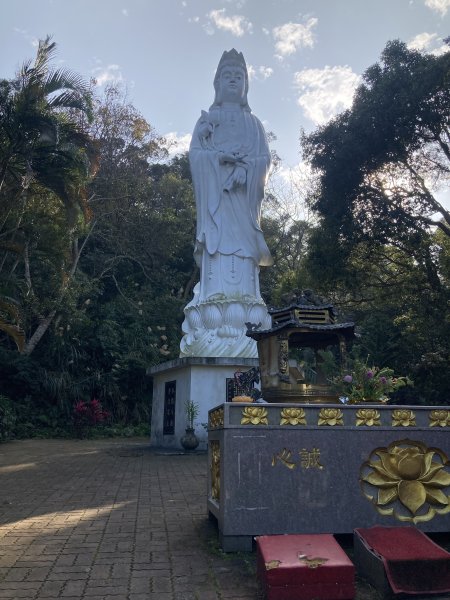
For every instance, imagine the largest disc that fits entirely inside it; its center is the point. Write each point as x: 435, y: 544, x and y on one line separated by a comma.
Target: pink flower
x: 348, y: 378
x: 369, y: 374
x: 383, y: 380
x: 80, y: 408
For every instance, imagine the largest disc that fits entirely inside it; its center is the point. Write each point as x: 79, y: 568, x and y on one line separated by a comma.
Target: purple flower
x: 369, y: 374
x: 348, y: 378
x: 383, y: 380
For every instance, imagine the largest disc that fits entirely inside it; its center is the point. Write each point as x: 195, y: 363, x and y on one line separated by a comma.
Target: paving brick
x: 52, y: 589
x: 74, y: 588
x: 17, y: 574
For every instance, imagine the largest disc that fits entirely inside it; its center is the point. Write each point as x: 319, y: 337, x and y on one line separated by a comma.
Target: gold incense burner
x: 307, y: 322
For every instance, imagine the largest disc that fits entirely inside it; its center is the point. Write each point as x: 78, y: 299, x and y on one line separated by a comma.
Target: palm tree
x: 43, y: 150
x: 39, y: 139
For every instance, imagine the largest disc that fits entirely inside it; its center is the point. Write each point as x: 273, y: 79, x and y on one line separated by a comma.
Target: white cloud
x: 178, y: 144
x: 439, y: 6
x: 237, y: 25
x: 428, y: 42
x: 125, y: 12
x: 109, y: 74
x: 325, y: 92
x: 292, y: 36
x: 29, y: 38
x: 259, y: 73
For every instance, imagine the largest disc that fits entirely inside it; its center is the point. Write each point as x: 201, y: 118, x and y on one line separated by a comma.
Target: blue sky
x: 305, y: 57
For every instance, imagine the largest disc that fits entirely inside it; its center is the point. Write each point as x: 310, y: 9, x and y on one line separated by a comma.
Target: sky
x: 305, y: 57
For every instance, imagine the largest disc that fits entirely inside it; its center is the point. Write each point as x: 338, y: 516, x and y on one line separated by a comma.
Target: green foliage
x: 192, y: 411
x: 360, y: 382
x: 379, y: 251
x: 7, y: 418
x: 108, y: 288
x: 46, y: 159
x: 381, y: 162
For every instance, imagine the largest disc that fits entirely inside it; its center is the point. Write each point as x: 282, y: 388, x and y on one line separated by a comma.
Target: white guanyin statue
x: 230, y: 160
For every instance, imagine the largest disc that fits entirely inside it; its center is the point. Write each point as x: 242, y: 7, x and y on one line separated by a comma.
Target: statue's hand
x: 227, y: 157
x: 239, y: 175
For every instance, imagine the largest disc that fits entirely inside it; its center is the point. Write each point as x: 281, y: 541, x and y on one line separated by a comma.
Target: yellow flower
x: 440, y: 418
x: 330, y: 416
x: 254, y: 415
x: 368, y: 417
x: 407, y: 473
x: 405, y: 418
x: 292, y: 416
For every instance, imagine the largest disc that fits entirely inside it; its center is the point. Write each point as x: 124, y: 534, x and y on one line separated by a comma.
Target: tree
x: 135, y: 269
x: 382, y: 162
x: 46, y: 160
x: 380, y: 248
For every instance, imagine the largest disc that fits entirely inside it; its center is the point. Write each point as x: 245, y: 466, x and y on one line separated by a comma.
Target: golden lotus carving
x: 331, y: 417
x: 407, y: 480
x: 292, y: 416
x: 254, y: 415
x: 215, y: 470
x: 403, y: 418
x: 216, y: 418
x: 440, y: 418
x: 368, y: 417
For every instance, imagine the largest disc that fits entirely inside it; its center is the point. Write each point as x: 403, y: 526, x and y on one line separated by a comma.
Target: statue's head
x: 231, y: 79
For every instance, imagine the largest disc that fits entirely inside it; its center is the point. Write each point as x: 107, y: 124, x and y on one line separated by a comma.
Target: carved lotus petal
x: 368, y: 417
x: 331, y: 417
x: 439, y: 418
x: 437, y: 497
x: 440, y: 479
x: 254, y: 415
x: 404, y: 418
x: 412, y: 494
x: 292, y: 416
x: 410, y: 467
x: 406, y: 474
x: 387, y: 495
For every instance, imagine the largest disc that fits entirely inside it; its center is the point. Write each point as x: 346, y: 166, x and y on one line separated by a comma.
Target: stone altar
x: 286, y: 468
x: 230, y: 160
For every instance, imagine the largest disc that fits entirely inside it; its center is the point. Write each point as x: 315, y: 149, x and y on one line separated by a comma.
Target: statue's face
x: 232, y: 84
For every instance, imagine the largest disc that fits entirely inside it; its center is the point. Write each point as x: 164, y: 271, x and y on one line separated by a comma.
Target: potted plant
x: 363, y: 383
x: 190, y: 441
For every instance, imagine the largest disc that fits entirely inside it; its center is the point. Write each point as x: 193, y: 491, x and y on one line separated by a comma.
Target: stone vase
x: 189, y: 441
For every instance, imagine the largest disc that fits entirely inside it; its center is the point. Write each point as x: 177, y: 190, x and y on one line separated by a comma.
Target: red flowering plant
x: 88, y: 414
x: 362, y: 384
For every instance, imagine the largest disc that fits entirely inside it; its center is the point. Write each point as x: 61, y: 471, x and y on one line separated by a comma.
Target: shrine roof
x: 275, y: 309
x: 346, y: 329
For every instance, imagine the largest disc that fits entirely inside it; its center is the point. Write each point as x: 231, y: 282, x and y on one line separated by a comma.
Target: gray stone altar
x: 290, y: 468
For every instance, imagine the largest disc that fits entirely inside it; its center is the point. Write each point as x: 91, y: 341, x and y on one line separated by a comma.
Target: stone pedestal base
x: 217, y: 328
x: 202, y: 380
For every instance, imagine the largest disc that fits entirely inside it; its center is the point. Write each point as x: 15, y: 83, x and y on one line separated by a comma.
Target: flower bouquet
x: 362, y: 384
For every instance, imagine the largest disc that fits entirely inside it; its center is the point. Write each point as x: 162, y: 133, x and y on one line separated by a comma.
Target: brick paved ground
x: 112, y: 520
